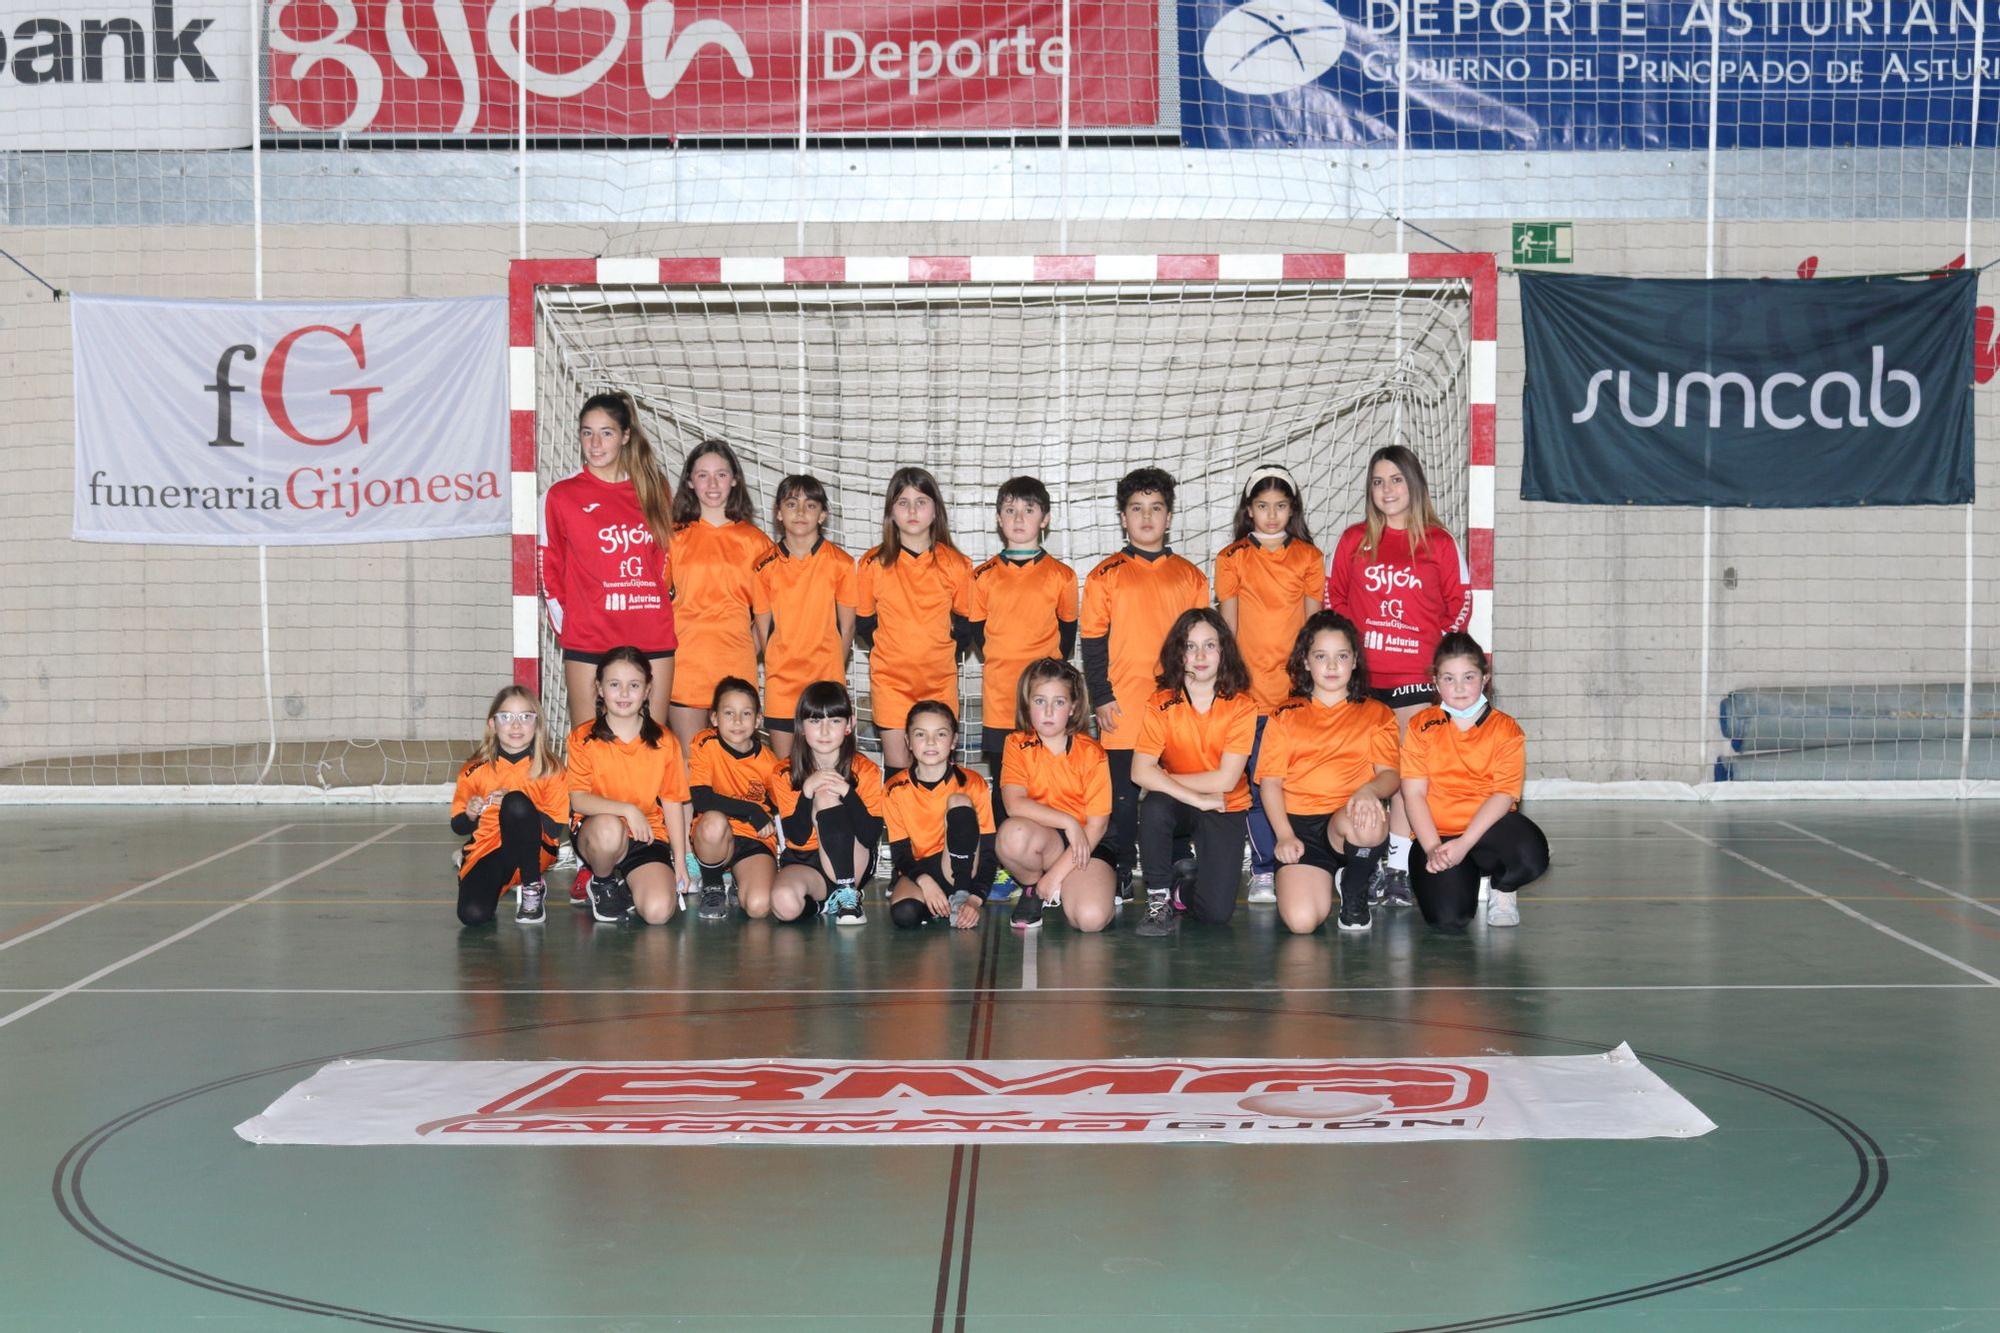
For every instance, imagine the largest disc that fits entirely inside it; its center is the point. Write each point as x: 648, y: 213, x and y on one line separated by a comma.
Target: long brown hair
x: 1038, y: 672
x: 649, y: 730
x: 738, y: 508
x: 1423, y: 517
x: 918, y: 479
x: 1300, y: 670
x: 1232, y: 677
x: 1279, y: 480
x: 541, y: 758
x: 635, y: 458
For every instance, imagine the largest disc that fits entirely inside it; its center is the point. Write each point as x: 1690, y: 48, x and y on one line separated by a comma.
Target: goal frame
x: 526, y: 278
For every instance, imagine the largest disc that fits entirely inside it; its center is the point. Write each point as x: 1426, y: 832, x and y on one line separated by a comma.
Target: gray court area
x: 1823, y: 980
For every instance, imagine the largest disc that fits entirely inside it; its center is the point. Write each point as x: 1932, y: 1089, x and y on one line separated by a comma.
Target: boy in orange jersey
x: 1130, y: 601
x: 1024, y: 606
x: 803, y: 596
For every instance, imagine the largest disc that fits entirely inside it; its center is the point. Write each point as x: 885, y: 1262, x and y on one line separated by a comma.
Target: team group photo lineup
x: 1140, y: 729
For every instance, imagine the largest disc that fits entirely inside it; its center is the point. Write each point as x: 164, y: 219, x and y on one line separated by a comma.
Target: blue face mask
x: 1461, y: 714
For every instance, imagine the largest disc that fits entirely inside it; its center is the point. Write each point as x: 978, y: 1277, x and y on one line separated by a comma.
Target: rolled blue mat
x: 1800, y: 717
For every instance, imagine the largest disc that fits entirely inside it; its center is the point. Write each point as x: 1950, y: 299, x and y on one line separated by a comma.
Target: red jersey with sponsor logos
x: 1402, y: 603
x: 603, y: 576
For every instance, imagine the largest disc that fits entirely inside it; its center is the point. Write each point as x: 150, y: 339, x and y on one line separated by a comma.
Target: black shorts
x: 1322, y: 844
x: 932, y: 865
x: 783, y: 725
x: 993, y: 742
x: 1406, y: 696
x: 745, y: 848
x: 794, y: 856
x: 658, y: 852
x: 597, y: 659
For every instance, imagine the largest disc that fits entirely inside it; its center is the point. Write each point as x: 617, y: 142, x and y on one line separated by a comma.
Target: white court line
x: 1028, y: 970
x: 1841, y: 907
x: 980, y: 990
x: 182, y: 934
x: 88, y: 908
x: 1967, y: 899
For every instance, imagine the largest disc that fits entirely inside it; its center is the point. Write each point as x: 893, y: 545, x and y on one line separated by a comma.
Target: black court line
x: 1871, y: 1180
x: 964, y: 1164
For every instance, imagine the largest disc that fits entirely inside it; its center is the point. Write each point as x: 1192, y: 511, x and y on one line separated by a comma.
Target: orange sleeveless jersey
x: 912, y: 601
x: 550, y: 795
x: 1271, y: 586
x: 801, y: 595
x: 1325, y: 754
x: 1464, y: 767
x: 1134, y: 602
x: 867, y: 784
x: 1076, y: 782
x: 630, y: 771
x: 916, y: 812
x: 711, y: 576
x: 744, y: 777
x: 1186, y: 740
x: 1024, y: 606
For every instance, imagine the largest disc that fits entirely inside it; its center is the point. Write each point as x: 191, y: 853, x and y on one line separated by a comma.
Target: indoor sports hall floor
x: 1823, y: 980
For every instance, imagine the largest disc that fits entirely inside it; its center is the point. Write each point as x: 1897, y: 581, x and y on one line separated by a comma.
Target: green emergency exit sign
x: 1543, y: 243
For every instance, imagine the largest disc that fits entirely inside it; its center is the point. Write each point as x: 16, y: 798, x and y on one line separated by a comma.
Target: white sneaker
x: 566, y: 854
x: 1264, y: 888
x: 1501, y: 909
x: 1485, y: 887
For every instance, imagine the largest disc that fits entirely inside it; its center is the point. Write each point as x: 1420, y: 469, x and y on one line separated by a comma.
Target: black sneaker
x: 714, y: 903
x: 528, y: 906
x: 1027, y: 913
x: 1159, y: 919
x: 1182, y: 883
x: 1354, y: 911
x: 1378, y: 885
x: 610, y: 899
x: 1396, y: 888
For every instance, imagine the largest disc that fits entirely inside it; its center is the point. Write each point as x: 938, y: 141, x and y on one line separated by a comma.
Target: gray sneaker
x: 714, y: 903
x: 1159, y: 919
x: 528, y: 908
x: 1396, y: 888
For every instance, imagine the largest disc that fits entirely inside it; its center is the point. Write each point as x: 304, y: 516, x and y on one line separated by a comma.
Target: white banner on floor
x: 1608, y: 1096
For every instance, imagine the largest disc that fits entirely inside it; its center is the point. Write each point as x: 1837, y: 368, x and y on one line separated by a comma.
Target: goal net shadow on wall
x: 1072, y: 368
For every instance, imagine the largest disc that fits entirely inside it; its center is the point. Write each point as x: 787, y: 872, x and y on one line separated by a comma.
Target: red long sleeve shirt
x: 1402, y: 604
x: 604, y: 578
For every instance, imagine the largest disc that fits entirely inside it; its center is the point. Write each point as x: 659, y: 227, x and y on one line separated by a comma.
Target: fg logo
x: 272, y: 390
x: 1264, y: 47
x: 630, y: 567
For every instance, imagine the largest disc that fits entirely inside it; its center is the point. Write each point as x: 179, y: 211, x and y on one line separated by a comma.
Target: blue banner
x: 1496, y: 75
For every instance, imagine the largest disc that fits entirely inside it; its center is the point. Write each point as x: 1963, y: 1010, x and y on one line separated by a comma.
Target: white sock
x: 1399, y: 852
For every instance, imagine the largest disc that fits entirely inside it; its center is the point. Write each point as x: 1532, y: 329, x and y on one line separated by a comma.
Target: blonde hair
x: 1423, y: 517
x: 541, y: 757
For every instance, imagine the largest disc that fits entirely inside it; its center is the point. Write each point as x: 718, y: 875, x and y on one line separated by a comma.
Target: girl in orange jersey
x: 1267, y: 581
x: 732, y: 780
x: 716, y: 545
x: 628, y: 797
x: 1464, y: 763
x: 802, y: 593
x: 1194, y: 743
x: 940, y: 820
x: 912, y: 608
x: 510, y: 805
x: 1328, y: 770
x: 830, y: 807
x: 1056, y: 784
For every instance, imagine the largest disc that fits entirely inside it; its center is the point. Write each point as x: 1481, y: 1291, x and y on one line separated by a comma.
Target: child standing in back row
x: 803, y: 595
x: 716, y: 545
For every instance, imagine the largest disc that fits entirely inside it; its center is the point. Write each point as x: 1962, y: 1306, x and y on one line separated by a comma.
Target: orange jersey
x: 1464, y: 767
x: 741, y: 777
x: 1271, y: 585
x: 711, y: 585
x: 1076, y: 782
x: 867, y: 785
x: 1325, y: 754
x: 1186, y: 740
x: 629, y: 771
x: 802, y: 595
x: 1134, y: 601
x: 912, y: 600
x: 1024, y: 606
x: 914, y: 810
x: 550, y: 795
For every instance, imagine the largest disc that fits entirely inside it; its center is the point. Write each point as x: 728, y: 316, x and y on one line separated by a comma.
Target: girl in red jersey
x: 732, y: 779
x: 1399, y: 577
x: 1267, y: 581
x: 603, y: 554
x: 940, y: 819
x: 830, y: 807
x: 1056, y: 785
x: 716, y: 546
x: 912, y: 609
x: 510, y: 806
x: 628, y: 798
x: 1464, y: 764
x: 1329, y: 768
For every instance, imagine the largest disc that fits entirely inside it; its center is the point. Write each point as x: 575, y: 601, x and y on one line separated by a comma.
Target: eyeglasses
x: 505, y: 718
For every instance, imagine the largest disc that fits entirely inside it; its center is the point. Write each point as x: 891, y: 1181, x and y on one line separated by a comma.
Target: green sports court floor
x: 1820, y: 979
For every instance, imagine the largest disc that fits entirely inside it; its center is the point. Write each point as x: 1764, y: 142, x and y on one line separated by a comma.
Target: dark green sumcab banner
x: 1748, y: 392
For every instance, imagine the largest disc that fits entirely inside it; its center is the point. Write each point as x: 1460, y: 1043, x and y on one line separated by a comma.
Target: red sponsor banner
x: 619, y: 68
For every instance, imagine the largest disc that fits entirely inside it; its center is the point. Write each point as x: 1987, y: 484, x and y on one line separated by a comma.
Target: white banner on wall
x: 276, y: 423
x: 124, y: 74
x: 1608, y: 1096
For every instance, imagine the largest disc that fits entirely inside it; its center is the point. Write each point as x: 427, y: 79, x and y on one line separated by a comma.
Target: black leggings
x: 519, y: 854
x: 1219, y: 836
x: 1120, y: 844
x: 1513, y: 853
x: 993, y: 763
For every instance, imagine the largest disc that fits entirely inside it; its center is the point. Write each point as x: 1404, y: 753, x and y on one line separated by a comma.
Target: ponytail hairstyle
x: 1423, y: 516
x: 1232, y: 677
x: 924, y: 708
x: 737, y: 508
x: 1264, y: 479
x: 1298, y: 666
x: 806, y: 487
x: 905, y: 479
x: 1460, y: 644
x: 649, y: 730
x: 635, y: 458
x: 1039, y: 672
x: 822, y: 699
x: 541, y: 756
x: 729, y: 685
